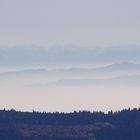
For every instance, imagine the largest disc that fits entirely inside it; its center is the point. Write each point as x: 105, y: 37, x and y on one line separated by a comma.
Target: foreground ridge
x: 82, y: 125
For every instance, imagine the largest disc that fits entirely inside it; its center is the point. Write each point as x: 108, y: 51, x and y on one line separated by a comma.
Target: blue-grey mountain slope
x: 67, y: 55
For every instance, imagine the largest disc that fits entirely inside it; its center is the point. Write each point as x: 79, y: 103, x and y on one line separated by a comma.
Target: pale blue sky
x: 82, y: 22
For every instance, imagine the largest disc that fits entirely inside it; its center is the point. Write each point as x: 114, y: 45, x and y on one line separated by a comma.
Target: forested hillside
x: 82, y: 125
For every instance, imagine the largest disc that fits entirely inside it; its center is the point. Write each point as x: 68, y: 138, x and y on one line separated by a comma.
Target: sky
x: 81, y: 22
x: 43, y: 42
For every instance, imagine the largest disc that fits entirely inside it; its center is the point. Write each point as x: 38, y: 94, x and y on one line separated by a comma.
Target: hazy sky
x: 82, y: 22
x: 63, y: 27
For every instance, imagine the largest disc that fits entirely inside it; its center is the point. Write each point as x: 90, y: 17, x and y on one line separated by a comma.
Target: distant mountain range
x: 133, y: 80
x: 67, y: 55
x: 118, y: 67
x: 124, y: 73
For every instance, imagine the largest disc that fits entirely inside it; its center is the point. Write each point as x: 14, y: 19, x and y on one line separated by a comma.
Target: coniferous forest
x: 82, y: 125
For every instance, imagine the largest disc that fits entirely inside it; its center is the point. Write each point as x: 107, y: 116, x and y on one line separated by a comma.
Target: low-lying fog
x: 114, y: 86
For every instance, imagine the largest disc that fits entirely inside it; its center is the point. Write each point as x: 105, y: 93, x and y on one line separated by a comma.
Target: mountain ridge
x: 115, y: 67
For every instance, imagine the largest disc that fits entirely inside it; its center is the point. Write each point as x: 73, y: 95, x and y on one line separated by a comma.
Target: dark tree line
x: 126, y: 124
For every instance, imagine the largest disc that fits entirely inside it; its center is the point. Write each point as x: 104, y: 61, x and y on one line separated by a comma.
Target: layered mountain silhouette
x: 124, y: 73
x: 66, y: 55
x: 117, y: 67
